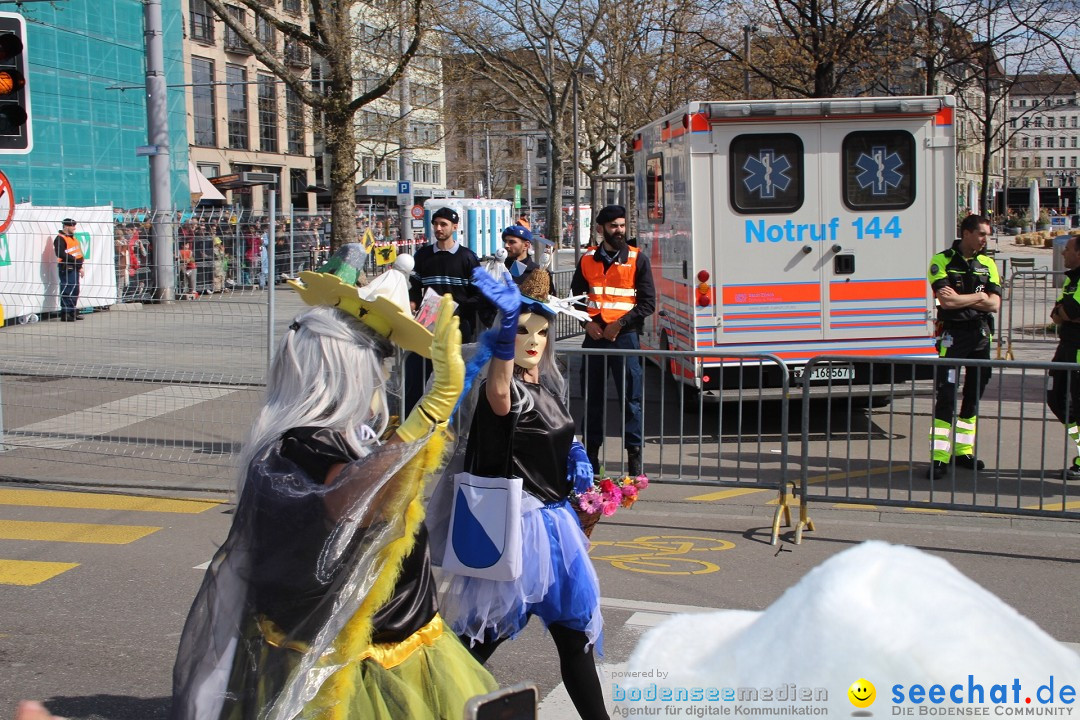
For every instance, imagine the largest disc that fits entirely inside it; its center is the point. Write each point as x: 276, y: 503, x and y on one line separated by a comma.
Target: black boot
x: 594, y: 458
x: 633, y: 460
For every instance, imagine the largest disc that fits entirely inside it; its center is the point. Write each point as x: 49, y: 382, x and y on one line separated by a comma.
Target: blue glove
x: 505, y: 296
x: 579, y: 470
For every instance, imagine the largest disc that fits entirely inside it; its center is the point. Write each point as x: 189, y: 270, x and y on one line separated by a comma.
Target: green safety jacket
x: 1069, y: 302
x: 950, y: 269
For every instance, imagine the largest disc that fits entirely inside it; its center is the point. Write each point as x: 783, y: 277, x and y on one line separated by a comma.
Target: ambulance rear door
x: 876, y: 190
x: 771, y: 236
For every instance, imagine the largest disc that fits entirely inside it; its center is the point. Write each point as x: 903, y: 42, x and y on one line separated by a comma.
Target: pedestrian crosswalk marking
x: 100, y: 501
x: 26, y: 572
x: 73, y: 532
x: 61, y: 432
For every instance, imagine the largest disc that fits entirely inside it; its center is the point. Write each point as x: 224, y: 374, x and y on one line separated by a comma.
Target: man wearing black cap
x: 444, y: 267
x: 518, y: 241
x: 69, y: 265
x: 617, y: 280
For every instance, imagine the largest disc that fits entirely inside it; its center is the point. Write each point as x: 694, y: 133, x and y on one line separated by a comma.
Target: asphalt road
x: 92, y: 623
x: 97, y: 639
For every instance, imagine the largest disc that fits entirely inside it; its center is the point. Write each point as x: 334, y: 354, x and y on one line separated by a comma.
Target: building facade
x: 401, y: 135
x: 87, y: 83
x: 242, y: 118
x: 492, y: 152
x: 1044, y: 123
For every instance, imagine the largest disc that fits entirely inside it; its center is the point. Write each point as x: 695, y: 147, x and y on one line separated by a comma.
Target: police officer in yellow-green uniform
x: 1063, y: 395
x: 967, y: 286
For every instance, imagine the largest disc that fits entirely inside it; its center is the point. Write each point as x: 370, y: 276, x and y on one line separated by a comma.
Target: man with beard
x: 617, y: 281
x: 518, y: 242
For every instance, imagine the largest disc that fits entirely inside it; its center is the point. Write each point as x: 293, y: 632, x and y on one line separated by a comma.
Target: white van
x: 796, y: 228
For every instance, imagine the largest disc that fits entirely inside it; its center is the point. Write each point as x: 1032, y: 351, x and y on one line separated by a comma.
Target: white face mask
x: 531, y: 340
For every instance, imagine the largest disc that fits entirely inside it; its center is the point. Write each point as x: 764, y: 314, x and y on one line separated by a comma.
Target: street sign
x: 368, y: 240
x: 417, y: 224
x: 7, y: 203
x: 404, y: 187
x: 517, y: 197
x: 258, y: 178
x: 418, y: 212
x: 146, y: 150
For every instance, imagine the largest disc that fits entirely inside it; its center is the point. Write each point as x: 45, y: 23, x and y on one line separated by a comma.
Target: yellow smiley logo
x: 862, y: 693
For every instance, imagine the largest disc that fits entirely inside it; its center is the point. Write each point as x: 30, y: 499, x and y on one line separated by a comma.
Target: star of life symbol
x: 878, y: 170
x: 766, y: 173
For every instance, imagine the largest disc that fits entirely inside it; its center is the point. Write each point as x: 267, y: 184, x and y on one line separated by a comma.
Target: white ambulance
x: 796, y: 228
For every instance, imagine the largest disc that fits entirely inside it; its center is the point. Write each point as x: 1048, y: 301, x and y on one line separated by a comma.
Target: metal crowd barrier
x: 881, y: 458
x: 134, y: 395
x: 1031, y: 295
x: 161, y: 396
x: 741, y: 443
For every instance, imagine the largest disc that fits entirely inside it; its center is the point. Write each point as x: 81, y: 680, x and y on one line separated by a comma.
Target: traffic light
x: 16, y: 136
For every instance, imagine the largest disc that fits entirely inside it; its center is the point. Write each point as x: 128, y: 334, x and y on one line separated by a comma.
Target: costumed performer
x: 321, y: 602
x: 526, y: 431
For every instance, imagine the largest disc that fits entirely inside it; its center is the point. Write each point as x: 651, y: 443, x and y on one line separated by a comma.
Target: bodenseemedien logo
x: 862, y: 695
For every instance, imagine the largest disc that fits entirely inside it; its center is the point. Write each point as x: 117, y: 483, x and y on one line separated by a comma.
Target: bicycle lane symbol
x: 661, y: 554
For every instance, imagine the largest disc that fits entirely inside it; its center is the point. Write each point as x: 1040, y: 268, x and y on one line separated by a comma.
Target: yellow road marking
x: 102, y: 501
x: 663, y: 554
x: 1055, y: 505
x: 73, y: 532
x: 25, y: 572
x: 725, y: 494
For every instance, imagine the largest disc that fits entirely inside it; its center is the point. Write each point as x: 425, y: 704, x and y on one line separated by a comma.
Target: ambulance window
x: 766, y: 173
x: 654, y: 188
x: 879, y: 170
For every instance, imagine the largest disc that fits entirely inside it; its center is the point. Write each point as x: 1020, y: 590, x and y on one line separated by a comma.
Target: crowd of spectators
x: 219, y: 251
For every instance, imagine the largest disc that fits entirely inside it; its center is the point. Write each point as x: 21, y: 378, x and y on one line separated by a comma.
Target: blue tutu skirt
x: 557, y: 584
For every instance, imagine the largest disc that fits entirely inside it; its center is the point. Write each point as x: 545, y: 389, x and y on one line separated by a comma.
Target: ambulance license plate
x: 825, y: 373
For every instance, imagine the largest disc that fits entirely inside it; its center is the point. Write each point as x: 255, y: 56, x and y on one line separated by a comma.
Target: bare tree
x: 641, y: 58
x: 338, y: 29
x: 799, y: 48
x: 529, y: 51
x: 993, y: 46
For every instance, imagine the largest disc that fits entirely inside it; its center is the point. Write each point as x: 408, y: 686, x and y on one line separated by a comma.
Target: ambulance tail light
x: 704, y: 292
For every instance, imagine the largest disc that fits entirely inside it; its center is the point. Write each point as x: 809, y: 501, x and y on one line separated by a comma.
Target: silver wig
x: 327, y: 372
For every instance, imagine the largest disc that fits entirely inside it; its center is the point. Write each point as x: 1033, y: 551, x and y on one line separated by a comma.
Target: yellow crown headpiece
x: 382, y: 305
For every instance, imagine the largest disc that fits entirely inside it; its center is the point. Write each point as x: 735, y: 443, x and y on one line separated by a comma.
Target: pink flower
x: 641, y: 482
x: 613, y: 494
x: 589, y: 502
x: 629, y: 491
x: 610, y: 506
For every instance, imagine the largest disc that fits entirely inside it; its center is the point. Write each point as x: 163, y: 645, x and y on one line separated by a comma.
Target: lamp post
x: 487, y: 160
x: 747, y: 30
x: 577, y: 179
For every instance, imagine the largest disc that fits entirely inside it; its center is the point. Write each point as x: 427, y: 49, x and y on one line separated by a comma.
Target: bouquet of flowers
x: 605, y: 497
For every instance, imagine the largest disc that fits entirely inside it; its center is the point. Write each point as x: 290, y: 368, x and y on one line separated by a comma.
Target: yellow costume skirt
x: 428, y: 676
